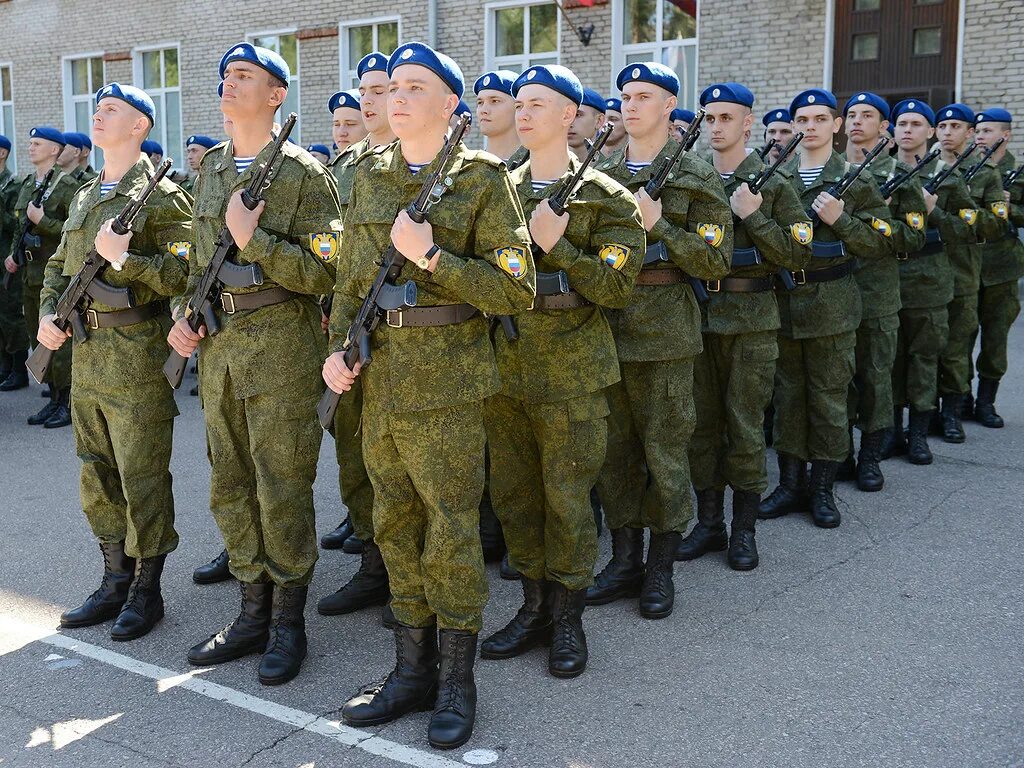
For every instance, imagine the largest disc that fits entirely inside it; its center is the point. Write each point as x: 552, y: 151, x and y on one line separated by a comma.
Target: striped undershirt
x: 539, y: 184
x: 107, y: 187
x: 242, y: 163
x: 727, y: 176
x: 809, y: 175
x: 415, y: 168
x: 635, y: 168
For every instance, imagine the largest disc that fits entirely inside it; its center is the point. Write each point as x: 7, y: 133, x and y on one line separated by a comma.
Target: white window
x: 358, y: 38
x: 287, y: 46
x: 83, y: 76
x: 7, y: 114
x: 156, y: 72
x: 658, y: 30
x: 518, y: 35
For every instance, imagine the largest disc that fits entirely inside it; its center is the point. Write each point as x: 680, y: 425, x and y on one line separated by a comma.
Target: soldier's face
x: 249, y: 91
x: 781, y: 133
x: 115, y: 122
x: 583, y: 128
x: 987, y: 134
x: 193, y: 155
x: 41, y: 150
x: 347, y: 127
x: 418, y: 101
x: 68, y: 157
x: 542, y: 116
x: 373, y: 100
x: 953, y: 134
x: 912, y: 131
x: 726, y: 124
x: 495, y: 112
x: 679, y: 127
x: 618, y: 127
x: 646, y: 109
x: 818, y: 124
x: 864, y: 123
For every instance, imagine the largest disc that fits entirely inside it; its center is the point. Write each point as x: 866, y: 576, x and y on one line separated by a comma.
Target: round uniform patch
x: 372, y: 62
x: 861, y: 97
x: 717, y: 92
x: 324, y: 245
x: 911, y: 105
x: 712, y: 234
x: 407, y: 53
x: 636, y: 73
x: 949, y: 113
x: 614, y: 255
x: 486, y: 80
x: 881, y: 225
x: 810, y: 99
x: 969, y: 215
x: 512, y: 260
x: 180, y: 249
x: 778, y: 115
x: 531, y: 74
x: 999, y: 209
x: 915, y: 220
x: 802, y: 232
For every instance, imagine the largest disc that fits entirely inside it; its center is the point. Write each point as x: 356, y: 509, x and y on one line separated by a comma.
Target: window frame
x: 159, y: 131
x: 516, y: 62
x: 70, y: 99
x: 913, y: 34
x: 295, y: 79
x: 346, y: 75
x: 10, y: 131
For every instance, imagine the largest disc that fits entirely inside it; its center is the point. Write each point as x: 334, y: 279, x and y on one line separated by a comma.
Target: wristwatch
x: 119, y: 264
x: 424, y: 261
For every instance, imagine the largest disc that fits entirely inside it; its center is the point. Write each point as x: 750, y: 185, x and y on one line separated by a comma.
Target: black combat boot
x: 918, y: 451
x: 967, y: 407
x: 247, y: 634
x: 368, y: 586
x: 17, y: 377
x: 214, y: 571
x: 742, y: 546
x: 848, y: 468
x: 387, y: 617
x: 823, y: 501
x: 451, y: 724
x: 506, y: 571
x: 61, y: 416
x: 952, y: 427
x: 658, y: 593
x: 286, y: 646
x: 106, y: 602
x: 40, y: 418
x: 353, y: 545
x: 530, y: 627
x: 5, y: 365
x: 709, y: 534
x: 895, y: 443
x: 624, y: 574
x: 492, y: 539
x: 145, y: 605
x: 869, y: 470
x: 410, y: 687
x: 336, y: 538
x: 985, y: 408
x: 791, y: 493
x: 568, y: 655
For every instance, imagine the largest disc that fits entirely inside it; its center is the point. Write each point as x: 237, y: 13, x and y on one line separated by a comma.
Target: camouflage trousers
x: 732, y: 386
x: 923, y: 335
x: 264, y: 452
x: 545, y: 458
x: 125, y: 481
x: 869, y: 403
x: 954, y: 370
x: 998, y: 307
x: 645, y: 481
x: 13, y: 331
x: 427, y: 470
x: 356, y: 490
x: 812, y: 381
x: 60, y: 368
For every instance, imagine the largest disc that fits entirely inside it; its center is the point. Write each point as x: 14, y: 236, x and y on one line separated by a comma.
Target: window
x: 7, y: 114
x: 659, y: 30
x: 517, y: 36
x: 156, y: 72
x: 287, y: 46
x: 928, y: 41
x: 83, y: 76
x: 360, y: 38
x: 865, y: 47
x: 867, y: 5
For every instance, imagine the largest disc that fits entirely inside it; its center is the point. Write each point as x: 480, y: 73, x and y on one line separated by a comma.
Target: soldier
x: 778, y: 127
x: 495, y: 112
x: 645, y: 481
x: 680, y: 121
x: 819, y: 317
x: 1002, y: 265
x: 613, y: 115
x: 153, y: 151
x: 195, y: 147
x: 321, y: 152
x: 547, y: 428
x: 123, y: 421
x: 433, y: 369
x: 83, y: 156
x: 870, y: 403
x: 13, y: 334
x: 589, y: 119
x: 45, y: 144
x: 347, y: 124
x: 69, y: 160
x: 258, y: 379
x: 733, y: 375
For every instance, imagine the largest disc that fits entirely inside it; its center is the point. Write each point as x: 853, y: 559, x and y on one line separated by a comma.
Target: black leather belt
x: 430, y: 317
x: 235, y: 302
x: 746, y: 257
x: 670, y: 276
x: 570, y: 300
x: 803, y: 276
x: 740, y: 285
x: 828, y: 249
x: 95, y: 320
x: 930, y: 249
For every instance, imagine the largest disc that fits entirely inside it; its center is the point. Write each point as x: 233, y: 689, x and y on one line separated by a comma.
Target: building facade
x: 57, y: 53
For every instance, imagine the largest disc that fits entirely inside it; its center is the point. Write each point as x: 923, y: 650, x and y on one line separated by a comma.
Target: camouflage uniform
x: 83, y: 175
x: 547, y: 428
x: 423, y: 430
x: 260, y: 378
x: 123, y: 409
x: 645, y: 482
x: 13, y: 333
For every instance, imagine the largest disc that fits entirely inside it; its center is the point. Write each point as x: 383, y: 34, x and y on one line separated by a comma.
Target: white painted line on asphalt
x: 19, y: 634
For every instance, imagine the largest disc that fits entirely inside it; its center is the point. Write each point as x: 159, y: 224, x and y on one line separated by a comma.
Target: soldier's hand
x: 828, y: 208
x: 929, y: 200
x: 650, y: 210
x: 546, y: 227
x: 242, y: 222
x: 109, y: 244
x: 34, y: 213
x: 744, y: 202
x: 182, y: 338
x: 411, y: 239
x: 325, y: 323
x: 338, y: 376
x: 10, y: 266
x: 49, y: 335
x: 1006, y: 195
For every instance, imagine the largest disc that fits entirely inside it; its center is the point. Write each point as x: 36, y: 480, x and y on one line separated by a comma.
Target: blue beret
x: 499, y: 80
x: 86, y: 141
x: 220, y: 88
x: 261, y: 57
x: 372, y: 62
x: 871, y: 99
x: 554, y: 76
x: 151, y: 147
x: 731, y: 93
x: 5, y: 143
x: 323, y: 149
x: 202, y: 141
x: 593, y: 99
x: 348, y: 99
x: 74, y: 139
x: 49, y: 133
x: 780, y: 115
x: 422, y: 54
x: 463, y: 109
x: 649, y: 72
x: 816, y: 97
x: 613, y: 105
x: 915, y: 106
x: 956, y: 111
x: 993, y: 115
x: 682, y: 114
x: 129, y: 94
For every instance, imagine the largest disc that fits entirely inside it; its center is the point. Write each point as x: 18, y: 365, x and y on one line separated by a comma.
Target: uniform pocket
x: 760, y: 350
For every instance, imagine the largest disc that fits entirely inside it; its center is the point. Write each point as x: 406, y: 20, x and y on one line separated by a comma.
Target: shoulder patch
x: 970, y: 215
x: 802, y: 232
x: 512, y: 260
x: 182, y: 249
x: 1000, y: 210
x: 882, y: 226
x: 915, y: 220
x: 614, y: 255
x: 713, y: 234
x: 324, y: 245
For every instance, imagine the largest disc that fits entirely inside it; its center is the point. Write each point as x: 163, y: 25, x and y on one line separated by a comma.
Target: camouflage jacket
x: 343, y: 169
x: 484, y: 261
x: 55, y: 210
x: 296, y: 246
x: 9, y: 188
x: 781, y: 231
x: 84, y: 175
x: 953, y: 218
x: 565, y: 353
x: 519, y: 157
x: 1003, y: 256
x: 663, y: 322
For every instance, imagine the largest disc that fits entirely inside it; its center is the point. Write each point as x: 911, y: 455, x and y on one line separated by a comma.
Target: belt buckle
x: 393, y: 313
x: 28, y: 255
x: 92, y: 319
x: 713, y: 286
x: 227, y: 303
x: 800, y: 277
x: 903, y: 256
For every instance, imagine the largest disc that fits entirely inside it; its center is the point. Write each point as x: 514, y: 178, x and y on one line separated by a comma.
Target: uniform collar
x: 746, y: 171
x: 525, y: 185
